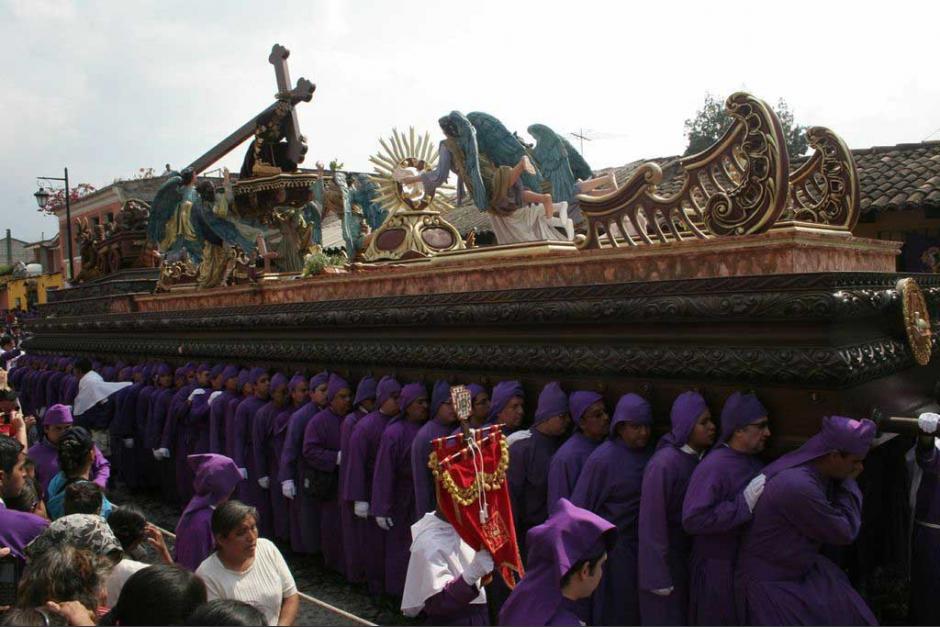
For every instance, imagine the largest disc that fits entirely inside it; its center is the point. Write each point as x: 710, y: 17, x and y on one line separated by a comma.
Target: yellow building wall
x: 18, y: 289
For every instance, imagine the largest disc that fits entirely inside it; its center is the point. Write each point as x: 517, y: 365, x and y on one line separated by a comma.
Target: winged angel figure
x: 517, y: 185
x: 190, y: 220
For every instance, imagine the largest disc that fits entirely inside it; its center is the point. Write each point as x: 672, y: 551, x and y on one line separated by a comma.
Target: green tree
x: 711, y: 121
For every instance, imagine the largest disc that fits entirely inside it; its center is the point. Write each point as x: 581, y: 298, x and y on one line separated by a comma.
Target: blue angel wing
x: 163, y: 205
x: 579, y: 166
x: 467, y: 140
x: 363, y: 194
x: 213, y: 228
x: 552, y: 158
x: 501, y: 146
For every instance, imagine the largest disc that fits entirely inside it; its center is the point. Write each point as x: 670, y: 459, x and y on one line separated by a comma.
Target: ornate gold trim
x: 491, y: 481
x: 916, y: 320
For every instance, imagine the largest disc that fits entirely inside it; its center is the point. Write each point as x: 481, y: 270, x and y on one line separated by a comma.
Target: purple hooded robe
x: 215, y: 478
x: 393, y: 490
x: 665, y: 547
x: 122, y: 428
x: 357, y: 486
x: 242, y: 454
x: 609, y: 486
x: 217, y: 408
x: 570, y: 457
x: 529, y: 461
x: 425, y: 499
x: 782, y: 578
x: 264, y: 456
x: 715, y: 513
x: 304, y: 513
x: 321, y: 452
x: 17, y: 529
x: 570, y: 535
x: 354, y: 550
x: 925, y: 542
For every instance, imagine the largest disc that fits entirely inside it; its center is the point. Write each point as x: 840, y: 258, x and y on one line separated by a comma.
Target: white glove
x: 195, y: 393
x: 339, y: 456
x: 164, y: 453
x: 928, y: 422
x: 157, y: 455
x: 361, y: 509
x: 663, y: 592
x: 214, y: 395
x: 128, y: 442
x: 264, y: 482
x: 288, y: 489
x: 480, y: 566
x: 753, y: 491
x: 385, y: 523
x: 243, y: 472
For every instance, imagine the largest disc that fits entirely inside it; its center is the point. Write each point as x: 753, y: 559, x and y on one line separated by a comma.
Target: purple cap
x: 58, y: 415
x: 203, y: 367
x: 838, y: 433
x: 256, y: 373
x: 475, y: 390
x: 278, y: 380
x: 215, y: 478
x: 739, y: 411
x: 230, y: 372
x: 386, y: 387
x: 216, y: 370
x: 319, y: 379
x: 412, y: 392
x: 552, y: 402
x: 243, y: 378
x: 503, y: 392
x: 365, y: 390
x: 439, y: 396
x: 336, y: 383
x: 686, y: 409
x: 296, y: 380
x: 580, y: 401
x: 162, y: 370
x: 631, y: 408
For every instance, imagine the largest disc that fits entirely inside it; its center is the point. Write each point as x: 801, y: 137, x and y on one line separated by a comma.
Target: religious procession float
x: 721, y: 271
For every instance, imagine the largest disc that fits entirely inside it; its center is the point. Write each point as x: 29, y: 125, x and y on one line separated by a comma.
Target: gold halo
x: 402, y: 150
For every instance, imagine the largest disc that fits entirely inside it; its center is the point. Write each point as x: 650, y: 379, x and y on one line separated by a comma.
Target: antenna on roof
x: 591, y: 135
x: 931, y: 135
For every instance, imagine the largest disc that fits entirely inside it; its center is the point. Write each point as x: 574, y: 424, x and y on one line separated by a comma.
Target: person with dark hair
x: 33, y: 617
x: 164, y: 594
x: 45, y: 454
x: 10, y: 351
x: 248, y: 568
x: 17, y: 529
x: 64, y: 573
x: 227, y: 612
x: 76, y: 456
x: 132, y: 529
x: 29, y: 499
x: 82, y: 497
x: 565, y: 564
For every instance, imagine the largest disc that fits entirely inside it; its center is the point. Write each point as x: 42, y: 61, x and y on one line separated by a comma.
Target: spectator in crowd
x: 33, y: 617
x: 163, y: 594
x: 17, y: 529
x: 56, y: 422
x: 227, y: 612
x: 76, y: 457
x: 83, y: 531
x: 82, y: 497
x: 248, y: 568
x: 64, y: 573
x: 29, y: 499
x: 132, y: 531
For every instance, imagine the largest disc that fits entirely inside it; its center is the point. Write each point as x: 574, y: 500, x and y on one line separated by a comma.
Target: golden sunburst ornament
x: 407, y: 154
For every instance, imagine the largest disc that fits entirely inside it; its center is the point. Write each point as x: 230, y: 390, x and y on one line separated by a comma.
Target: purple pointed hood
x: 631, y: 408
x: 503, y: 392
x: 552, y: 402
x: 838, y: 433
x: 580, y: 401
x: 365, y: 390
x: 739, y: 411
x: 686, y: 409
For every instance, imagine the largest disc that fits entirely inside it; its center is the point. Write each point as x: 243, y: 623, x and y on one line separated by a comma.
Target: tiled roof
x: 892, y: 178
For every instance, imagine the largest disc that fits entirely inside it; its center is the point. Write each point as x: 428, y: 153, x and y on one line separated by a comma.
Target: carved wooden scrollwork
x: 735, y: 187
x: 824, y: 191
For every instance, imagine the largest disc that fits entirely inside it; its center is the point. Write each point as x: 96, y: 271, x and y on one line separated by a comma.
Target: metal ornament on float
x: 415, y: 227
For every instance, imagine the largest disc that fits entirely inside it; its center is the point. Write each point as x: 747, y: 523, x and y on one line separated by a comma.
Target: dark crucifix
x: 269, y: 153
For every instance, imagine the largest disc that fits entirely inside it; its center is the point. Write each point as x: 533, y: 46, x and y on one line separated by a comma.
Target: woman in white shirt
x: 248, y: 568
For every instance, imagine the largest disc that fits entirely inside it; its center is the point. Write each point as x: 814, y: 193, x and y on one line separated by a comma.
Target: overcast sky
x: 108, y: 87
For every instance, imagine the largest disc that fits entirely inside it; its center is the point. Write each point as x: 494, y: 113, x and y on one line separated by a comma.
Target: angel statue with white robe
x: 517, y: 186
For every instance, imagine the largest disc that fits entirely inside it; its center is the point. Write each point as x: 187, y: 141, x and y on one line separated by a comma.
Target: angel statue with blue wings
x: 191, y: 220
x: 526, y: 191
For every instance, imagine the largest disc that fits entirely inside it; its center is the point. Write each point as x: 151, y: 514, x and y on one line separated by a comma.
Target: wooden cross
x: 297, y: 143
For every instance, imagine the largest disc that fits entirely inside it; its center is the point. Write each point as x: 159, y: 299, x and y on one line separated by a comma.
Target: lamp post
x: 42, y: 197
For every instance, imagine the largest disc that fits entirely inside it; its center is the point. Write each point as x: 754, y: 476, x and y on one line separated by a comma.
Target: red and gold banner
x: 472, y: 493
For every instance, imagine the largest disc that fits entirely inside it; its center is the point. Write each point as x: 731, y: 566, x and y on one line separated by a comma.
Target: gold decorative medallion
x: 916, y: 319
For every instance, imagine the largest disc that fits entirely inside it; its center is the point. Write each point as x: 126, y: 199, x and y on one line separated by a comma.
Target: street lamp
x: 42, y: 198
